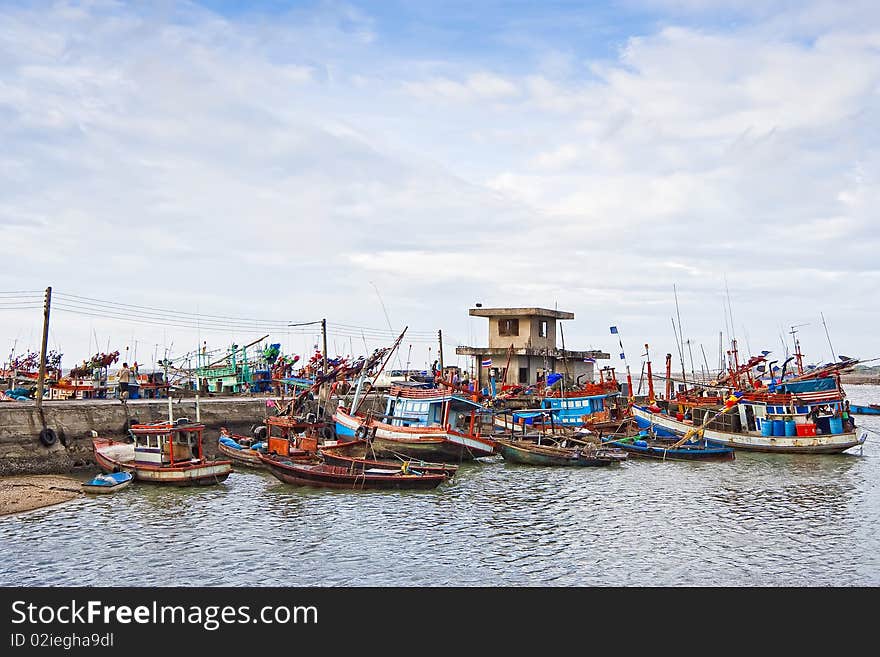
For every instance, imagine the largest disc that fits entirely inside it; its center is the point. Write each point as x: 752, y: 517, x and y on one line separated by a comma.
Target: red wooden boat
x: 357, y: 455
x: 331, y: 476
x: 162, y: 453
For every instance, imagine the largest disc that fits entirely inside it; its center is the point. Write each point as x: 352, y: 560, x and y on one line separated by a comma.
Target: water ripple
x: 762, y: 519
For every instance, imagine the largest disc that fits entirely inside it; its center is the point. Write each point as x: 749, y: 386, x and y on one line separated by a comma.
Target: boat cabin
x: 571, y: 410
x: 167, y: 444
x: 427, y: 407
x: 284, y: 434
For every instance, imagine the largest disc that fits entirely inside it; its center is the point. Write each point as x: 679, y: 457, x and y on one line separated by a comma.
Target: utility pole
x: 324, y: 339
x: 41, y: 381
x: 440, y: 340
x: 324, y: 395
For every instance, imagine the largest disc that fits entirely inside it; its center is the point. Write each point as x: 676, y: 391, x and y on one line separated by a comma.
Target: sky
x: 390, y: 164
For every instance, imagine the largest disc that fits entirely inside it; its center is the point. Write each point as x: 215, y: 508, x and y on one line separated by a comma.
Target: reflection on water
x: 763, y: 519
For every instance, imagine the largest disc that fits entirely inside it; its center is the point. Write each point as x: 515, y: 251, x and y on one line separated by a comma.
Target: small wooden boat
x: 104, y: 484
x: 162, y: 453
x: 529, y: 453
x: 238, y: 450
x: 645, y: 447
x: 357, y: 455
x: 870, y: 409
x: 331, y: 476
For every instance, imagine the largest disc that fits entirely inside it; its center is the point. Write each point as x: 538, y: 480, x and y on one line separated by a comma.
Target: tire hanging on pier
x: 47, y: 436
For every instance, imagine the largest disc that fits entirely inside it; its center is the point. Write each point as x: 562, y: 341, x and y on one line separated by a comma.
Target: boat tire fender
x: 259, y: 432
x: 47, y: 436
x: 327, y: 433
x: 361, y: 433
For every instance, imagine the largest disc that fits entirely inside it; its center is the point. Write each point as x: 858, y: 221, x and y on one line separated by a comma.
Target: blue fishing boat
x: 871, y: 409
x: 643, y: 446
x: 108, y: 483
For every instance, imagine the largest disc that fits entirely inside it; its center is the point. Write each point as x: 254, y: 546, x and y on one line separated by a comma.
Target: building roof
x: 520, y: 312
x: 570, y: 354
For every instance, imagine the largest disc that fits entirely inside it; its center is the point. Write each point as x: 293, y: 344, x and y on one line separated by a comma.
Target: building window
x: 508, y: 327
x: 523, y: 374
x: 542, y: 328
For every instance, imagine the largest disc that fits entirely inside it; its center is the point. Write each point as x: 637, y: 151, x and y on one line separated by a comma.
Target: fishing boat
x: 560, y: 410
x: 643, y: 446
x: 358, y: 455
x: 427, y: 423
x: 162, y: 453
x: 870, y: 409
x: 292, y: 437
x: 332, y: 476
x: 104, y: 484
x: 797, y: 417
x: 527, y: 452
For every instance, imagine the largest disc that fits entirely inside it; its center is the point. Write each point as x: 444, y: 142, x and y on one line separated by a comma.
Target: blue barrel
x: 767, y: 428
x: 778, y: 427
x: 835, y: 424
x: 790, y: 428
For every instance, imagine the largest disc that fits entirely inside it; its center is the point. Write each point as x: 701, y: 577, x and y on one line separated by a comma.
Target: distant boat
x: 870, y: 409
x: 331, y: 476
x: 104, y: 484
x: 526, y: 452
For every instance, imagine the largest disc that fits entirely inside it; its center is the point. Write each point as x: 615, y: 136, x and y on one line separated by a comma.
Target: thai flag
x: 487, y: 362
x: 589, y: 360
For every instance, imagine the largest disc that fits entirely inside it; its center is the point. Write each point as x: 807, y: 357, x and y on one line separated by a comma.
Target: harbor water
x: 762, y: 519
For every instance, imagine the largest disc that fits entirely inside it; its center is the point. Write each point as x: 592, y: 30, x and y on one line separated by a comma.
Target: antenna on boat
x: 680, y: 333
x: 833, y: 355
x: 797, y: 347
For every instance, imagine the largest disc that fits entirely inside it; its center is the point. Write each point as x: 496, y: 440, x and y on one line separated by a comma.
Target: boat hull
x: 864, y: 410
x: 327, y: 476
x: 663, y: 453
x: 821, y: 444
x: 112, y: 456
x: 425, y: 443
x: 529, y: 455
x: 354, y: 457
x: 95, y: 487
x: 241, y: 457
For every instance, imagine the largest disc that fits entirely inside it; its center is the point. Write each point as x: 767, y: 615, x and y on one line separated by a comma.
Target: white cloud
x: 274, y: 167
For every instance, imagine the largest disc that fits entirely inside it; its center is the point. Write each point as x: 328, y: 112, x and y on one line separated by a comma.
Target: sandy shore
x: 29, y: 492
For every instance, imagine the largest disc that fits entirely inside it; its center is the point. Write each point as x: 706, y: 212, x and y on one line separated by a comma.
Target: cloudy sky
x: 396, y: 162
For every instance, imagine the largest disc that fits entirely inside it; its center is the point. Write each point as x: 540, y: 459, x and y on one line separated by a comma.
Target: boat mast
x: 356, y: 400
x: 833, y: 355
x: 650, y: 377
x: 668, y: 376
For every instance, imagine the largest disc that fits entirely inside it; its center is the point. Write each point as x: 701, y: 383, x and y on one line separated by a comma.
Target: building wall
x: 528, y: 333
x: 534, y: 364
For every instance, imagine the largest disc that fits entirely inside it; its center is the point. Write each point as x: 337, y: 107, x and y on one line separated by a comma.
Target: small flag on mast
x: 613, y: 329
x: 487, y: 362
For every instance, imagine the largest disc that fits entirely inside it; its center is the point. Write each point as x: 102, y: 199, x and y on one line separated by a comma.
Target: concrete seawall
x: 21, y: 451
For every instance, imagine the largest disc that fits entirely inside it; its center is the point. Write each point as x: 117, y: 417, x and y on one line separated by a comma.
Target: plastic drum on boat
x: 778, y: 427
x: 790, y: 428
x: 835, y: 424
x: 806, y: 429
x: 767, y: 428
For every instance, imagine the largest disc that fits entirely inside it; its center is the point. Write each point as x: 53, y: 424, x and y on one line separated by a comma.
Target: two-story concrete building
x: 528, y: 337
